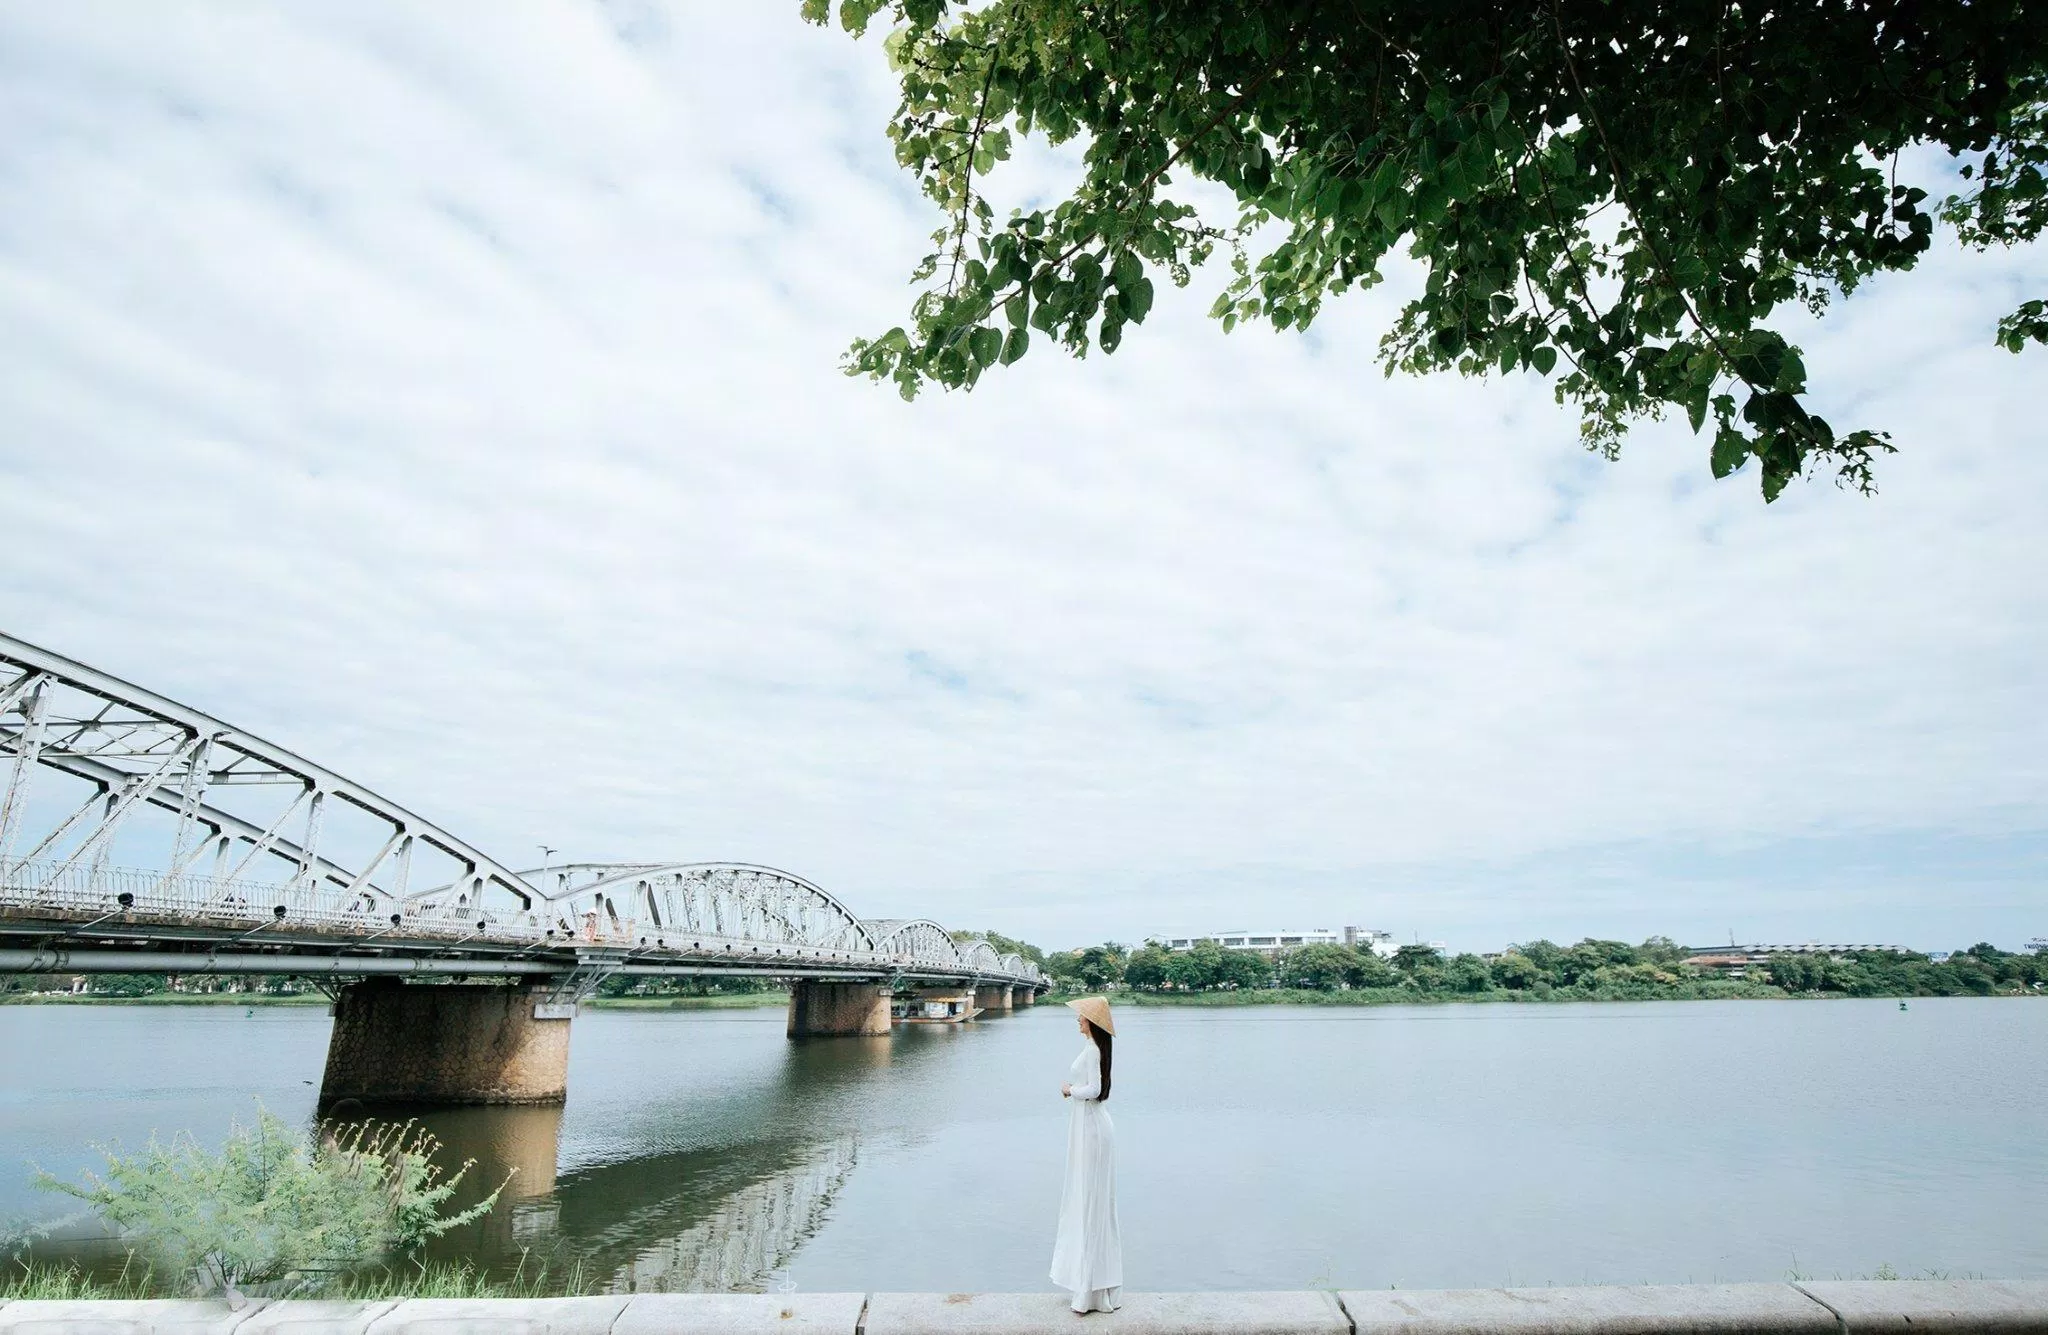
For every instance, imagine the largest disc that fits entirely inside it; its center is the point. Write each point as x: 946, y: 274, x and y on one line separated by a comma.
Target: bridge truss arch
x: 226, y: 820
x: 981, y: 957
x: 159, y: 826
x: 916, y: 942
x: 721, y: 907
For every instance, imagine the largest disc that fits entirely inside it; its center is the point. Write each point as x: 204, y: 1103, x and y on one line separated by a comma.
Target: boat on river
x: 933, y: 1010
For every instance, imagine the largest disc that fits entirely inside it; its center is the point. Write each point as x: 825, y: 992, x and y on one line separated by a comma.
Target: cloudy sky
x: 449, y: 393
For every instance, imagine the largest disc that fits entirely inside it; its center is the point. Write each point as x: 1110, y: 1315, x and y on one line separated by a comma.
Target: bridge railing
x: 152, y: 895
x: 334, y: 915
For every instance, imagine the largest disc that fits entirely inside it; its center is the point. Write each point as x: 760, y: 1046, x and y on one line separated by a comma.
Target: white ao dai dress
x: 1088, y: 1257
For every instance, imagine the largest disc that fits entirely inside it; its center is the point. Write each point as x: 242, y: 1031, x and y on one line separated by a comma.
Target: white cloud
x: 455, y: 401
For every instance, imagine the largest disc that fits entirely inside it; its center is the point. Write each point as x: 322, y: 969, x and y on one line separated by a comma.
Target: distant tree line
x: 1591, y: 970
x: 1983, y: 970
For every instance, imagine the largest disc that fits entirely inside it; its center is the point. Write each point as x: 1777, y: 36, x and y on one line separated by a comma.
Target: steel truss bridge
x: 140, y: 835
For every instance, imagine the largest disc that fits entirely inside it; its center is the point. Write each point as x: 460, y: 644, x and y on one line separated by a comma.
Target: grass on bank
x: 25, y: 1281
x: 459, y: 1279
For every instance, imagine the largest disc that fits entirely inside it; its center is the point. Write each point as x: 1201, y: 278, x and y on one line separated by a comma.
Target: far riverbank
x: 1659, y: 969
x: 1398, y: 996
x: 1394, y: 996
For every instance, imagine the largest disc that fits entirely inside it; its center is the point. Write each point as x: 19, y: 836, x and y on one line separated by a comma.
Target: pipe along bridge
x: 138, y: 835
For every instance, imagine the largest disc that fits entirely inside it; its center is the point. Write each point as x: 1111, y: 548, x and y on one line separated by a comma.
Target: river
x: 1268, y: 1147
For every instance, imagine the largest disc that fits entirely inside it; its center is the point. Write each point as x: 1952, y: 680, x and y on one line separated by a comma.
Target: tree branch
x: 1642, y: 223
x: 967, y: 175
x: 1138, y: 191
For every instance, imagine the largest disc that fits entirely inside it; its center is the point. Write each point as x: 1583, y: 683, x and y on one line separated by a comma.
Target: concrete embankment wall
x: 1935, y: 1307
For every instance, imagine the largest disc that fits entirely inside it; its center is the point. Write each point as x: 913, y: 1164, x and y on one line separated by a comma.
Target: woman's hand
x: 1066, y: 1091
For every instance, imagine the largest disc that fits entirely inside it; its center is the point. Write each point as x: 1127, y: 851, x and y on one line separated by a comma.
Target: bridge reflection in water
x: 725, y: 1217
x: 750, y: 1234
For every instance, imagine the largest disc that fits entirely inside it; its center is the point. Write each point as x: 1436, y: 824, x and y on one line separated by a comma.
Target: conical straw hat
x: 1096, y: 1009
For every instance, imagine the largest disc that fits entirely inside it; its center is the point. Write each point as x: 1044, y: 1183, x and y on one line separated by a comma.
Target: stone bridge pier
x: 396, y: 1042
x: 820, y: 1010
x: 994, y: 998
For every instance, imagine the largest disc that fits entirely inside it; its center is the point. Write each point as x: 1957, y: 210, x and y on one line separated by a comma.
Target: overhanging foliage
x: 1619, y: 194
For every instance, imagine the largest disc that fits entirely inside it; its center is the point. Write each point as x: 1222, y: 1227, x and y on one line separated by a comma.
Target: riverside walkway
x: 1935, y: 1307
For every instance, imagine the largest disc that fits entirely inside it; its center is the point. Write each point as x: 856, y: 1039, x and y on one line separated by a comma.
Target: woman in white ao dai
x: 1087, y: 1258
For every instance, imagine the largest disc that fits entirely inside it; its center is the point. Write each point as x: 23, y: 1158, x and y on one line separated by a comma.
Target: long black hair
x: 1102, y: 1046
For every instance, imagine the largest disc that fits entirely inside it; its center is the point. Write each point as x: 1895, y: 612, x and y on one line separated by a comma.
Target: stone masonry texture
x: 396, y: 1042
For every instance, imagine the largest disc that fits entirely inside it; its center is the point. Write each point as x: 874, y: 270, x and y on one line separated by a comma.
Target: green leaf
x: 1432, y: 200
x: 1140, y: 300
x: 1731, y: 448
x: 1543, y: 358
x: 1016, y: 345
x: 1393, y: 210
x: 984, y: 344
x: 1696, y: 408
x: 1386, y: 177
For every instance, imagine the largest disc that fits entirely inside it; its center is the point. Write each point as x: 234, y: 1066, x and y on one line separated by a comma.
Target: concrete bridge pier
x: 1023, y: 996
x: 993, y: 997
x: 818, y: 1010
x: 395, y: 1042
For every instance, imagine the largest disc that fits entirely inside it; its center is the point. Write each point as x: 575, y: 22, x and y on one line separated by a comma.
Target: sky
x: 451, y: 394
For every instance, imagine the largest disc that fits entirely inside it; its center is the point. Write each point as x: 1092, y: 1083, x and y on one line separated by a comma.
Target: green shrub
x: 275, y: 1207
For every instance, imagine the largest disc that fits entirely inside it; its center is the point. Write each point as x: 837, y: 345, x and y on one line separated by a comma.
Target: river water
x: 1270, y: 1147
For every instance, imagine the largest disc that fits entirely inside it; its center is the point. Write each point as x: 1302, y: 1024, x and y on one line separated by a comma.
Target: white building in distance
x: 1274, y: 940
